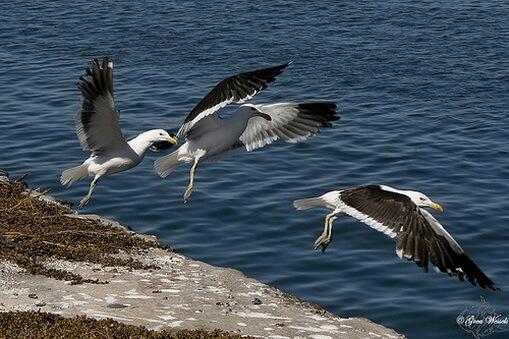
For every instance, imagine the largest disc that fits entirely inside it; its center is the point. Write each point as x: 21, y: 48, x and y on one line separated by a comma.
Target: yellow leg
x: 86, y: 199
x: 331, y: 220
x: 326, y: 237
x: 189, y: 189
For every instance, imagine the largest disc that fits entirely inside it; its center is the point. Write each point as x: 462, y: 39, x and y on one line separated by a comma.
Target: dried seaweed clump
x: 33, y: 231
x: 43, y: 325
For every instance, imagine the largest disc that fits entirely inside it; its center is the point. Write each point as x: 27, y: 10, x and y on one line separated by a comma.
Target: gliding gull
x: 397, y: 213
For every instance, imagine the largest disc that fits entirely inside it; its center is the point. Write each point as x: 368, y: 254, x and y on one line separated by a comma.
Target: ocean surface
x: 423, y: 93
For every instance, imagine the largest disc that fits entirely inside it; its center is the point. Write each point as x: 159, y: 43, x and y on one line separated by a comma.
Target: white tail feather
x: 167, y: 164
x: 304, y: 204
x: 74, y: 174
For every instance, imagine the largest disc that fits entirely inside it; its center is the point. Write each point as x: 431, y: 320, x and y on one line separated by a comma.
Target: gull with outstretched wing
x: 210, y: 136
x: 400, y: 214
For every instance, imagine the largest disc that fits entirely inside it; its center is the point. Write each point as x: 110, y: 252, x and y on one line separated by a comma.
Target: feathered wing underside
x: 237, y: 88
x: 291, y: 122
x: 97, y: 122
x: 419, y: 237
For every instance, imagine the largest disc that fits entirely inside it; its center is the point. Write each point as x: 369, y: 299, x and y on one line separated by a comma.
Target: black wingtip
x: 97, y: 80
x: 326, y: 110
x: 284, y: 66
x: 106, y: 61
x: 472, y: 273
x: 270, y: 73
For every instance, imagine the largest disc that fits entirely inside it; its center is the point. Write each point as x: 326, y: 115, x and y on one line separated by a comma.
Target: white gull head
x: 418, y: 198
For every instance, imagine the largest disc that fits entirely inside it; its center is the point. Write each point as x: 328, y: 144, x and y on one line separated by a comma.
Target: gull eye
x: 422, y: 199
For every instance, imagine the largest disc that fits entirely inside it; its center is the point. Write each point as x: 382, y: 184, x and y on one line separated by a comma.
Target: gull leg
x: 326, y: 237
x: 84, y: 201
x: 189, y: 189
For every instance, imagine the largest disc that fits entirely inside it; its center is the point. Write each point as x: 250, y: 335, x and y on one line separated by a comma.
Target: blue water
x: 423, y: 91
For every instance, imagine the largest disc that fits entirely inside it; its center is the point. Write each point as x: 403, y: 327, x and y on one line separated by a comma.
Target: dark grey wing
x: 291, y: 122
x: 237, y: 88
x: 97, y: 122
x: 420, y: 238
x: 448, y: 257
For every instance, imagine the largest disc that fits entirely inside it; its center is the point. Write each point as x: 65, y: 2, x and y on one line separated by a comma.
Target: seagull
x: 98, y: 131
x: 399, y: 214
x: 210, y: 136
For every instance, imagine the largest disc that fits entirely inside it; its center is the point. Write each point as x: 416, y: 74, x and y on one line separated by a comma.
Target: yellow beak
x: 172, y: 140
x: 436, y: 207
x: 264, y: 115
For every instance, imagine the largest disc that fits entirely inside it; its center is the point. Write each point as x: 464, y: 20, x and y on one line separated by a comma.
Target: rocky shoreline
x: 98, y: 268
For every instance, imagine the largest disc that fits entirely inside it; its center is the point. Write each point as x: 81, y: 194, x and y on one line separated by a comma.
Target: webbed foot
x: 323, y: 240
x: 187, y: 194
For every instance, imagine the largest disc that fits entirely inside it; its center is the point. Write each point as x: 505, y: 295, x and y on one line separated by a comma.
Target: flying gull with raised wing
x: 99, y: 132
x: 210, y: 136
